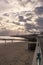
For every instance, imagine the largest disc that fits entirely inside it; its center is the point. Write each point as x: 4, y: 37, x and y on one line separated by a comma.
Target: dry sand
x: 16, y: 54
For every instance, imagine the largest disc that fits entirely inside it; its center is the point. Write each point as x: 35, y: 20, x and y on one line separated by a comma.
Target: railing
x: 12, y: 39
x: 7, y: 40
x: 37, y: 60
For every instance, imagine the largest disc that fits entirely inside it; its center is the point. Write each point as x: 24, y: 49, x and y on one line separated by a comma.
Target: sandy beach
x: 16, y: 54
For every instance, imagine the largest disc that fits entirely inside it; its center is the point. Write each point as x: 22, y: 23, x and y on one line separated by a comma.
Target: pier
x: 32, y: 58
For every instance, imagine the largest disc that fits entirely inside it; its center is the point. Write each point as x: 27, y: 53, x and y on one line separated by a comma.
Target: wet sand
x: 41, y: 44
x: 16, y: 54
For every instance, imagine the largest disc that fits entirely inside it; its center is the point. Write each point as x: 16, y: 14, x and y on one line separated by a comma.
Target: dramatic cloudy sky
x: 21, y: 16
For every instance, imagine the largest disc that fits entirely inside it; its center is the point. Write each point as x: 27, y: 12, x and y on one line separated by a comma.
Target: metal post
x: 38, y: 55
x: 5, y: 42
x: 12, y: 41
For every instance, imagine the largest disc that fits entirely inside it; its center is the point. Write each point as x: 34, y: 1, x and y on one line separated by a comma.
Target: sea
x: 9, y: 39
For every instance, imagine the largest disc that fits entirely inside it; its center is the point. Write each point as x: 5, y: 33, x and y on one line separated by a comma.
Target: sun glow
x: 22, y: 23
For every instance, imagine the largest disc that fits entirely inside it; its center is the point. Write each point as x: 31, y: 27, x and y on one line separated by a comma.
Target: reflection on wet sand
x: 16, y: 54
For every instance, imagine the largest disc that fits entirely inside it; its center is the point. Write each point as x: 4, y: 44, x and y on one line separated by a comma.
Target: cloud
x: 1, y: 18
x: 39, y: 10
x: 8, y: 5
x: 28, y: 18
x: 6, y: 1
x: 4, y: 32
x: 39, y: 21
x: 25, y: 16
x: 6, y: 14
x: 41, y: 1
x: 15, y: 5
x: 16, y: 12
x: 14, y: 20
x: 17, y: 23
x: 3, y: 4
x: 7, y: 21
x: 21, y: 18
x: 29, y: 14
x: 23, y: 2
x: 28, y: 26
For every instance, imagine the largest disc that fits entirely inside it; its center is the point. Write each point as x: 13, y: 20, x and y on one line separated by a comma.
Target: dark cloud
x: 23, y: 2
x: 25, y: 16
x: 28, y: 26
x: 40, y: 1
x: 6, y: 14
x: 17, y: 23
x: 1, y: 18
x: 39, y: 21
x: 6, y: 1
x: 7, y: 21
x: 28, y: 18
x: 21, y: 18
x: 13, y: 14
x: 39, y: 10
x: 4, y: 32
x: 29, y: 14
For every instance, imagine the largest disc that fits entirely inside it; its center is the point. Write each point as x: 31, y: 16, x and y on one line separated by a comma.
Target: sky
x: 21, y: 16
